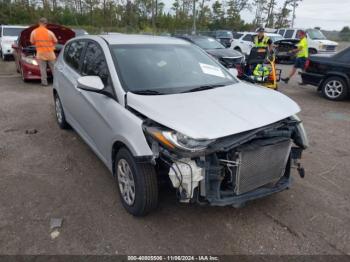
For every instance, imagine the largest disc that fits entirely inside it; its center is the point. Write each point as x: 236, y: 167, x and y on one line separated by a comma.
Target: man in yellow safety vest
x: 302, y: 52
x: 262, y: 40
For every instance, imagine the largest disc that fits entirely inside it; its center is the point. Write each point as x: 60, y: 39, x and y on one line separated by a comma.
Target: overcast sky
x: 328, y: 14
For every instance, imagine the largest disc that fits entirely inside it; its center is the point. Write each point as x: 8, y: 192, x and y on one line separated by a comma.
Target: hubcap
x: 58, y: 110
x: 334, y: 89
x: 126, y: 182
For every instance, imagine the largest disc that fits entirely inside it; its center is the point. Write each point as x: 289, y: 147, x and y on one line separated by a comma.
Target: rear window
x: 73, y: 53
x: 248, y: 37
x: 237, y: 35
x: 289, y: 34
x: 344, y: 56
x: 12, y: 31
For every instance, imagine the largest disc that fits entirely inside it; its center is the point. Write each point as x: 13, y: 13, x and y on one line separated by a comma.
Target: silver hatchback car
x: 159, y: 108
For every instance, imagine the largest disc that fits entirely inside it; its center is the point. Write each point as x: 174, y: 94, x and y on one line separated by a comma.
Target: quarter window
x: 95, y: 63
x: 289, y: 34
x: 73, y: 54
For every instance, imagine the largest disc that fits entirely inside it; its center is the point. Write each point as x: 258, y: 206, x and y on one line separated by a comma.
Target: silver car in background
x: 155, y: 108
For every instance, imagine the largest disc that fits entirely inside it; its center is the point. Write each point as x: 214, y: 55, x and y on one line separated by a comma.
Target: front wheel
x: 137, y: 184
x: 335, y: 88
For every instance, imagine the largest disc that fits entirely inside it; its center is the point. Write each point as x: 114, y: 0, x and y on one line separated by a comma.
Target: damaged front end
x: 230, y: 170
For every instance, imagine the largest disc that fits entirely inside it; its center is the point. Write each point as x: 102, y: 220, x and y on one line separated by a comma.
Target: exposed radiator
x: 261, y: 163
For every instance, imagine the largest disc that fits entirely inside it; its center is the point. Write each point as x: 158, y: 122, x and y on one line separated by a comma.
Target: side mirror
x: 233, y: 71
x: 91, y: 83
x: 14, y: 46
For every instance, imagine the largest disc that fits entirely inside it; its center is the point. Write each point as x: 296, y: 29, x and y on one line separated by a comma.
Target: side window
x: 0, y: 31
x: 95, y: 64
x: 73, y: 53
x: 289, y: 34
x: 281, y: 32
x: 248, y: 38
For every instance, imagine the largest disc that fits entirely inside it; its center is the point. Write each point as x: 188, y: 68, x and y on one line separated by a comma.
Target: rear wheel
x: 60, y: 116
x: 137, y: 184
x: 335, y: 88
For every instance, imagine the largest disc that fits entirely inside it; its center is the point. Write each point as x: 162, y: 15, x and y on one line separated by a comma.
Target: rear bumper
x: 312, y: 78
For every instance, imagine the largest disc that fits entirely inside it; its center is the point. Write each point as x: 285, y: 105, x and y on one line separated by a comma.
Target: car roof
x: 120, y: 39
x: 14, y: 26
x: 195, y: 37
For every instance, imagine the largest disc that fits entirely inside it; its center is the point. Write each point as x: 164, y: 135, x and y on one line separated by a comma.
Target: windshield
x: 208, y: 43
x: 12, y: 31
x: 224, y: 34
x: 167, y: 69
x: 276, y: 38
x: 316, y: 34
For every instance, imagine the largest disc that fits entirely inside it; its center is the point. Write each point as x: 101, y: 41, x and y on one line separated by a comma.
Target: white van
x: 8, y: 35
x: 317, y: 41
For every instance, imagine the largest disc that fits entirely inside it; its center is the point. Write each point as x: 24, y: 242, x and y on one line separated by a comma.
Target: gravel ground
x: 53, y: 174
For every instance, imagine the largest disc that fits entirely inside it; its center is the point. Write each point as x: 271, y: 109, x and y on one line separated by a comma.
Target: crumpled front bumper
x: 238, y: 201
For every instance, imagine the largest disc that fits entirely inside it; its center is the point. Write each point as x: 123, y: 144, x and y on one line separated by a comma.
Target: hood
x: 62, y: 33
x: 217, y: 112
x: 224, y: 52
x: 9, y: 39
x: 326, y: 42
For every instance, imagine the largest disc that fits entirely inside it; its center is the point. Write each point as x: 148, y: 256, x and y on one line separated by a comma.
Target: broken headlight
x: 176, y: 140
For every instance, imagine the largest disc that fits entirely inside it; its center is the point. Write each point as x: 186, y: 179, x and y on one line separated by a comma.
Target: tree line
x: 149, y: 15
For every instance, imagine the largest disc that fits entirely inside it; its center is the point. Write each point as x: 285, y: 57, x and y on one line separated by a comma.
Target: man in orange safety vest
x: 45, y: 42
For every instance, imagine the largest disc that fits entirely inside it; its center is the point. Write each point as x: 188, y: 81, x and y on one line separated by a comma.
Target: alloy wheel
x: 126, y: 182
x: 334, y: 89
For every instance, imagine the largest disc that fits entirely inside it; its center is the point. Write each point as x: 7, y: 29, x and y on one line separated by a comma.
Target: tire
x: 60, y: 116
x: 335, y: 88
x: 4, y: 57
x: 137, y: 184
x: 22, y: 75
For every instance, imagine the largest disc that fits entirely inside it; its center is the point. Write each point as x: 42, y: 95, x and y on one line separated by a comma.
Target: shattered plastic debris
x: 55, y: 224
x: 54, y: 234
x: 31, y: 131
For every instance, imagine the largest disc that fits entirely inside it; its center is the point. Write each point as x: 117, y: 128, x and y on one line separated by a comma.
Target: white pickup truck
x: 8, y: 35
x: 317, y: 41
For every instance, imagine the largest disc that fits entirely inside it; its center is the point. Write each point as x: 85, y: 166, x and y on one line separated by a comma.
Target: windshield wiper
x: 147, y: 92
x: 202, y: 88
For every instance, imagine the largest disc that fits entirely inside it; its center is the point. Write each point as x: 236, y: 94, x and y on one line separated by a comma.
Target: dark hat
x: 43, y: 20
x: 261, y: 29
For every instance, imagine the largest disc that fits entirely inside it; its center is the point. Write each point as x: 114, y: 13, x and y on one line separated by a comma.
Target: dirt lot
x: 54, y: 174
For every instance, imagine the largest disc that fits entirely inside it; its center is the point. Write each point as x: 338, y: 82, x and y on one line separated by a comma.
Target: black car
x: 225, y: 37
x: 227, y: 57
x: 330, y: 73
